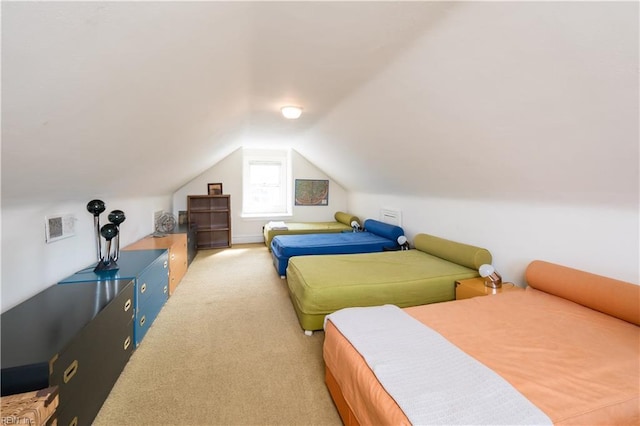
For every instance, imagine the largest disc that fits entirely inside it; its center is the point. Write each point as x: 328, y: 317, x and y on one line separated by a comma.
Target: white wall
x: 502, y: 100
x: 245, y: 230
x: 598, y: 239
x: 29, y: 264
x: 509, y: 125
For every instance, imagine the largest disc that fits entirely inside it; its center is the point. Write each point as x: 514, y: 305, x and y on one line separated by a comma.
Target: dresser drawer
x: 152, y: 293
x: 177, y: 263
x: 154, y: 280
x: 146, y: 316
x: 87, y: 368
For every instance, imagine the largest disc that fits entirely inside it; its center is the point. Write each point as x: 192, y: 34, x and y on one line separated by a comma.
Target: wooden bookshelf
x: 211, y: 215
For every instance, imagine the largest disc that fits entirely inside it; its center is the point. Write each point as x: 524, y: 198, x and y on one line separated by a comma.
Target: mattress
x: 342, y: 223
x: 378, y: 236
x: 321, y: 284
x: 576, y: 364
x: 296, y: 228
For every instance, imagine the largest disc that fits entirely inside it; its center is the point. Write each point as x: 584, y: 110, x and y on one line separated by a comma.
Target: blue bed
x: 377, y: 236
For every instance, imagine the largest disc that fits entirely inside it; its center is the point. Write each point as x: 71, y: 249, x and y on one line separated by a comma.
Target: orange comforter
x: 579, y: 366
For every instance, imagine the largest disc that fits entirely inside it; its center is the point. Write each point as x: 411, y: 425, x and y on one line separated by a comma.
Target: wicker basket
x: 31, y: 408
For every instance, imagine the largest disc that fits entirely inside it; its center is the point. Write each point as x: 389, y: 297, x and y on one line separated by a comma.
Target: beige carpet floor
x: 226, y: 349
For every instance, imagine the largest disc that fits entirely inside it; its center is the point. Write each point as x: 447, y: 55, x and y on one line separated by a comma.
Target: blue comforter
x: 377, y: 237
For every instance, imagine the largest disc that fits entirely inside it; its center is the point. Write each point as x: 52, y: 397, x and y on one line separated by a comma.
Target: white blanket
x: 432, y: 380
x: 278, y: 225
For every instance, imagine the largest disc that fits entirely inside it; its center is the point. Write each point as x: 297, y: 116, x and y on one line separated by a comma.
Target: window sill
x: 262, y: 217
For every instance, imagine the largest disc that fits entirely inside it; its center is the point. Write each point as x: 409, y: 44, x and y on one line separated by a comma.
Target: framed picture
x: 182, y: 217
x: 214, y: 188
x: 312, y: 192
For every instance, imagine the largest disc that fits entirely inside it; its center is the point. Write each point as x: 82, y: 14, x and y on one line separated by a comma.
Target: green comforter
x: 321, y: 284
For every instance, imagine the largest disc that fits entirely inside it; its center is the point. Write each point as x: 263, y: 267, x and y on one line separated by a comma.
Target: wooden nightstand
x: 474, y: 287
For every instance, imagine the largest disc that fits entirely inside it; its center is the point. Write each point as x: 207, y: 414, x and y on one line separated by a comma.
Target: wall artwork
x: 214, y: 188
x: 182, y: 217
x: 311, y: 192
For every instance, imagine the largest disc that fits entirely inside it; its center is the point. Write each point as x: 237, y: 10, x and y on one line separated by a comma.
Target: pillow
x: 382, y: 229
x: 462, y: 254
x: 607, y: 295
x: 346, y: 218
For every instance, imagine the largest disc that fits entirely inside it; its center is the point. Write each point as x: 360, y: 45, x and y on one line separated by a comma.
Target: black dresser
x: 76, y: 336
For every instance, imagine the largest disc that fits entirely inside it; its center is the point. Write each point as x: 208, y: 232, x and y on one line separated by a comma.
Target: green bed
x: 342, y: 223
x: 322, y: 284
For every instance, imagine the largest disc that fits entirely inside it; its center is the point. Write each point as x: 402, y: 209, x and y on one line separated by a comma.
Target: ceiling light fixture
x: 291, y: 112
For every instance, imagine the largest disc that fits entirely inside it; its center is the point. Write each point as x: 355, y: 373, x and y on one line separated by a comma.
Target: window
x: 266, y: 183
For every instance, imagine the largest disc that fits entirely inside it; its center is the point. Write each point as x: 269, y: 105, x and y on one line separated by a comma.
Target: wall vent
x: 391, y: 216
x: 59, y: 227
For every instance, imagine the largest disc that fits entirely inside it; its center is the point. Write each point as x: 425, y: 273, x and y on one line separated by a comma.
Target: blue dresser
x: 150, y: 273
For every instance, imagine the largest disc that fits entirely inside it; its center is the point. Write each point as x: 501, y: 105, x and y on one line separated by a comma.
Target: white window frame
x: 281, y: 157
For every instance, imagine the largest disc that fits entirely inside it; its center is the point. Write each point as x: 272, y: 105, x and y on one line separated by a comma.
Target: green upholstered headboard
x: 462, y: 254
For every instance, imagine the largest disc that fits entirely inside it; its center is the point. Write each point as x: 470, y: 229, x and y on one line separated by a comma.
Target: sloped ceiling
x: 451, y: 99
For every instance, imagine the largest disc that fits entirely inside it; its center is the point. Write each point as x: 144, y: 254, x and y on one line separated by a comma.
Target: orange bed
x: 570, y: 344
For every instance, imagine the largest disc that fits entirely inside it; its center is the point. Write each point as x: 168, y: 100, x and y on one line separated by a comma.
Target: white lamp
x: 291, y: 112
x: 492, y: 278
x: 403, y: 243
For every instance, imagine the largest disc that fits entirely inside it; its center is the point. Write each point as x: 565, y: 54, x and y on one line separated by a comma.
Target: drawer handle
x: 165, y: 289
x: 52, y: 361
x: 127, y: 305
x: 173, y: 257
x: 142, y: 320
x: 143, y: 287
x: 71, y: 371
x: 74, y: 422
x: 127, y: 342
x: 165, y: 264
